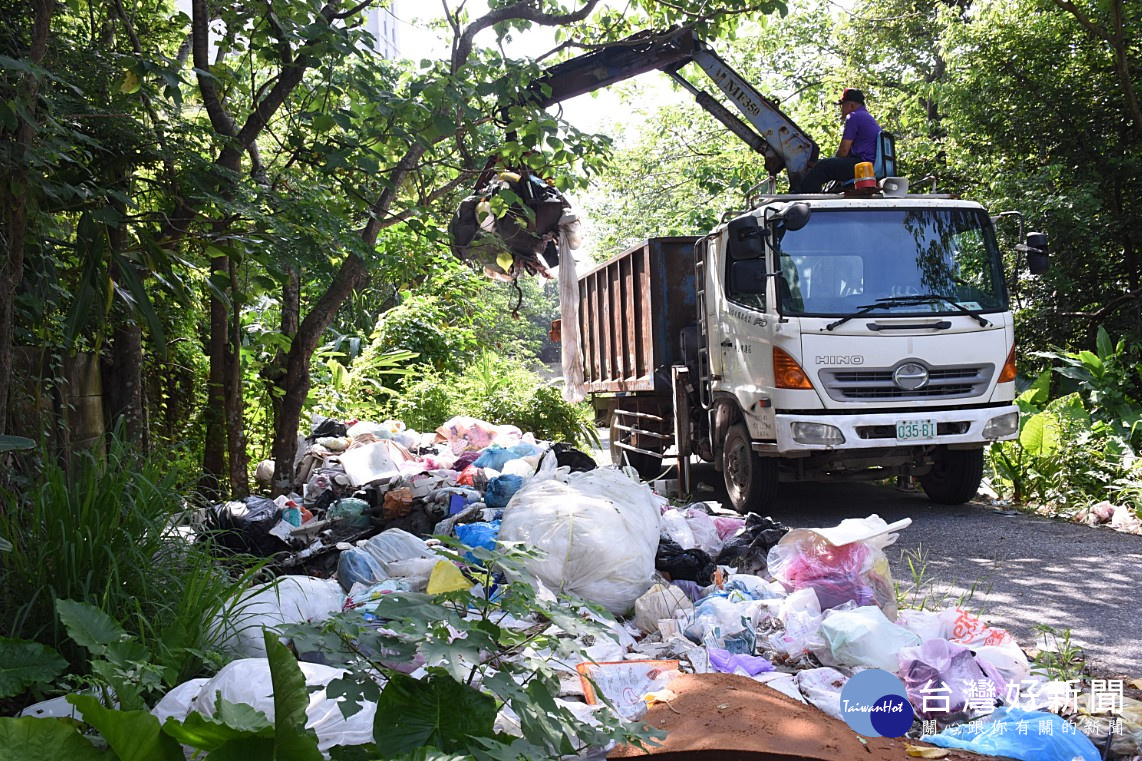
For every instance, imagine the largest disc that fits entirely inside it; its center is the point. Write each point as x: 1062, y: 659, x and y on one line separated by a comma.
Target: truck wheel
x: 751, y: 481
x: 648, y: 467
x: 954, y: 477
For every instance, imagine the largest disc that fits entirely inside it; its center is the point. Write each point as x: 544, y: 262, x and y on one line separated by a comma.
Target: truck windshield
x: 845, y: 261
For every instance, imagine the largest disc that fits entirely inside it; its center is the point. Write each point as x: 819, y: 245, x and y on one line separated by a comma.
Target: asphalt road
x: 1020, y: 570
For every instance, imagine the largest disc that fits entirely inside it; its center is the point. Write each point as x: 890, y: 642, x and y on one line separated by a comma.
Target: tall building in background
x: 383, y: 25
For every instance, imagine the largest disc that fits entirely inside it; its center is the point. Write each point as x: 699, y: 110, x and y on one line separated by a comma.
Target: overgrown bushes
x: 104, y: 534
x: 1079, y: 437
x: 499, y: 390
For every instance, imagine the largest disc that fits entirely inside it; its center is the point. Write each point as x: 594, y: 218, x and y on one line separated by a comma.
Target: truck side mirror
x: 748, y: 276
x: 796, y: 216
x: 743, y: 238
x: 1037, y: 260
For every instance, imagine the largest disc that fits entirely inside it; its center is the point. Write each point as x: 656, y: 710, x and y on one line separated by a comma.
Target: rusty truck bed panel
x: 632, y: 310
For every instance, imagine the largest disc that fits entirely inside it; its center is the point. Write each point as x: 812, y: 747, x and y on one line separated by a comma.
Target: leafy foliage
x: 476, y: 659
x: 498, y: 390
x: 1081, y: 445
x: 104, y: 536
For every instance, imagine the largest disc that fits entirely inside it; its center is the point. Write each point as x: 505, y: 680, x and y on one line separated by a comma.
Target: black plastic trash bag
x: 747, y: 550
x: 567, y: 456
x: 680, y: 564
x: 323, y: 426
x: 244, y: 526
x: 512, y: 244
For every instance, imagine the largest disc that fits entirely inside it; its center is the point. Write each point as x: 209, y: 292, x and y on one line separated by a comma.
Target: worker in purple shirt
x: 858, y: 143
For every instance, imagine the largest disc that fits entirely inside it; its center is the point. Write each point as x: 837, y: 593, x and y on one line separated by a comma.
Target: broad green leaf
x: 1040, y: 435
x: 15, y: 443
x: 1039, y: 391
x: 232, y: 722
x: 133, y: 735
x: 131, y: 83
x: 323, y: 122
x: 33, y: 739
x: 1090, y: 360
x: 1103, y: 343
x: 88, y: 625
x: 291, y: 697
x: 24, y: 663
x: 436, y: 711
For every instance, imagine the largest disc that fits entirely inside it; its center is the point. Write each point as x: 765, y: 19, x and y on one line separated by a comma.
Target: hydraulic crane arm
x: 769, y: 131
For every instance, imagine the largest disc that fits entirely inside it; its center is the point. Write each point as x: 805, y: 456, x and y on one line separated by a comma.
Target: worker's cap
x: 851, y: 94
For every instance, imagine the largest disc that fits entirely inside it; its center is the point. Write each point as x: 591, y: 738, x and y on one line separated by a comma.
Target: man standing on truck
x: 858, y: 143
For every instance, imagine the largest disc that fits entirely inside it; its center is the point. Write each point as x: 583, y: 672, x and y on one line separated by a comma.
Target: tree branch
x: 522, y: 11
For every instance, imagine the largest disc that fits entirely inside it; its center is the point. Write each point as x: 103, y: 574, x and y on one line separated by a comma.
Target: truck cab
x: 855, y: 337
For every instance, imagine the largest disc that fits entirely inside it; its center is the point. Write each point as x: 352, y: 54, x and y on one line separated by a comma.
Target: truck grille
x: 847, y: 385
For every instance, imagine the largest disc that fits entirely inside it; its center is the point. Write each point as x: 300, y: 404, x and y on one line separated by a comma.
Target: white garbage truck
x: 859, y: 335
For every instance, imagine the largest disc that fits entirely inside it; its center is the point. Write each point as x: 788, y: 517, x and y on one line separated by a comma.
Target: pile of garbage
x: 695, y: 589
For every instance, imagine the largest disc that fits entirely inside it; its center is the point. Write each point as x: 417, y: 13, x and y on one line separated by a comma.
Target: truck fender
x: 726, y: 412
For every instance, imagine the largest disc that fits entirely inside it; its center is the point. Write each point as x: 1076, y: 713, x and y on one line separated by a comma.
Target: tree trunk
x: 274, y: 373
x: 214, y: 454
x: 14, y: 199
x: 235, y: 426
x: 124, y: 384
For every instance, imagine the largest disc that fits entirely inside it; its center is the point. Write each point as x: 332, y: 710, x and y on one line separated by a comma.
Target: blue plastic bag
x: 356, y: 565
x: 478, y: 535
x: 496, y: 457
x: 501, y: 489
x: 730, y: 663
x: 1000, y: 737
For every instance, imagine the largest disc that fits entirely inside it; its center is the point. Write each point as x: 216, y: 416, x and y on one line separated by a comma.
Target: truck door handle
x: 727, y: 344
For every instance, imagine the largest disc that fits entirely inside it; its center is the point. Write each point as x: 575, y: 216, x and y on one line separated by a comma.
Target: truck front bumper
x: 963, y: 428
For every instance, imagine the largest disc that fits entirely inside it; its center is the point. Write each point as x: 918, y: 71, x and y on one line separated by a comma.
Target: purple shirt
x: 862, y: 129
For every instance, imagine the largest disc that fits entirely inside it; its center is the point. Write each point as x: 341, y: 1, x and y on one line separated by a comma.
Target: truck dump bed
x: 632, y: 310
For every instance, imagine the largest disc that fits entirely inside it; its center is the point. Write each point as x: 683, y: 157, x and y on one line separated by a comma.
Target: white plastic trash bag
x: 599, y: 531
x: 822, y: 687
x: 864, y: 637
x: 662, y: 601
x: 289, y: 600
x: 248, y: 681
x: 394, y: 545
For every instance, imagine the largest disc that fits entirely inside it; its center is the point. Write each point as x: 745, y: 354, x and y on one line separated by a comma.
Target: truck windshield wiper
x: 920, y: 298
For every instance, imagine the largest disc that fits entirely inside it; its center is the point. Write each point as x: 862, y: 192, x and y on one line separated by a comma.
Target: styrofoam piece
x: 367, y: 464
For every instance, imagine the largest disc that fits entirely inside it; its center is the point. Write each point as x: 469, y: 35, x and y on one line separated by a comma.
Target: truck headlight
x: 817, y: 433
x: 999, y: 427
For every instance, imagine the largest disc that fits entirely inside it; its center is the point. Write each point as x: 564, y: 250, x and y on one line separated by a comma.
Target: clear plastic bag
x: 863, y: 637
x: 842, y: 564
x: 356, y: 566
x: 937, y: 676
x: 394, y: 545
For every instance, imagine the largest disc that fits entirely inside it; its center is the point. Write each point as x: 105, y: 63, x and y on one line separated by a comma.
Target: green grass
x: 102, y: 534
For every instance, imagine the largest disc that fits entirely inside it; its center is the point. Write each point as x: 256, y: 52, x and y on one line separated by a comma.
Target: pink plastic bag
x: 841, y: 564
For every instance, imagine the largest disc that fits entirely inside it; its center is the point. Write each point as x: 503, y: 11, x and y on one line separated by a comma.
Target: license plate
x: 908, y: 430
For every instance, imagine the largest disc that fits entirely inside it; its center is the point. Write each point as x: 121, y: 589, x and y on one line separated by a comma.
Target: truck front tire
x: 955, y: 476
x: 751, y: 481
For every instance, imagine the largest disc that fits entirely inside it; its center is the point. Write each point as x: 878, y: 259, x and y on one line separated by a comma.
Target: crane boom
x: 768, y: 131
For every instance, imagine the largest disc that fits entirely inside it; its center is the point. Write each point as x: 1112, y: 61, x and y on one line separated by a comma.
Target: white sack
x: 599, y: 531
x: 290, y: 600
x: 248, y: 681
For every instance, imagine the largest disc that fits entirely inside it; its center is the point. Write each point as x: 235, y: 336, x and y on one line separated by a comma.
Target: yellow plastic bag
x: 446, y: 578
